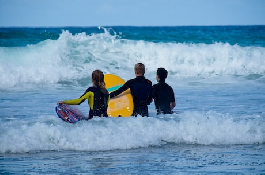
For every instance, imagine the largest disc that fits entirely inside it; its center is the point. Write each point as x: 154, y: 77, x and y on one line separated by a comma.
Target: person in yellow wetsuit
x: 97, y: 96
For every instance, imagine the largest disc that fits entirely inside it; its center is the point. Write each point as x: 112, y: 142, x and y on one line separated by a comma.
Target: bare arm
x: 172, y: 105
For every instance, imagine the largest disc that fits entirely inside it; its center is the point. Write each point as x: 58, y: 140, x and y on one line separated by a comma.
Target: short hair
x: 139, y: 68
x: 162, y: 73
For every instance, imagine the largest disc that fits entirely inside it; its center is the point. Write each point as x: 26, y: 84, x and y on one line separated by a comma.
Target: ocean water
x: 218, y: 77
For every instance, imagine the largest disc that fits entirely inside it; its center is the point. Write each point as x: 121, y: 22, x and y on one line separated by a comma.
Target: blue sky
x: 131, y: 12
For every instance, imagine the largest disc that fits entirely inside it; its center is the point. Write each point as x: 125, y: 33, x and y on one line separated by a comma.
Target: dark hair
x: 98, y: 79
x: 162, y: 73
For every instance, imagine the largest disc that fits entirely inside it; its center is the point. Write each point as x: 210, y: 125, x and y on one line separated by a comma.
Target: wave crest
x: 47, y: 133
x: 74, y: 57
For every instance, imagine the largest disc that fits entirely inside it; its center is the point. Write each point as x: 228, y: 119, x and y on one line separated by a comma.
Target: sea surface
x: 218, y: 77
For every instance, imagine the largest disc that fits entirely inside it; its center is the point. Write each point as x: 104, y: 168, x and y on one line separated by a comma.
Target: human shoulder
x: 155, y: 85
x: 91, y: 89
x: 129, y: 83
x: 168, y: 85
x: 148, y: 81
x: 144, y: 80
x: 162, y: 85
x: 131, y: 80
x: 170, y: 89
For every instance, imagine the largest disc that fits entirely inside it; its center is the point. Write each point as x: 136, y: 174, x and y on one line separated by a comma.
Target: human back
x: 97, y: 96
x: 163, y: 94
x: 101, y: 95
x: 141, y: 89
x: 163, y: 97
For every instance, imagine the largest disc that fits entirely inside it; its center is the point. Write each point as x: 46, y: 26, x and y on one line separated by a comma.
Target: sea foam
x: 204, y: 128
x: 74, y: 57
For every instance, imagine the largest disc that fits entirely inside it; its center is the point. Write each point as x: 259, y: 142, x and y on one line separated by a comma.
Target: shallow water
x: 164, y: 159
x: 218, y: 79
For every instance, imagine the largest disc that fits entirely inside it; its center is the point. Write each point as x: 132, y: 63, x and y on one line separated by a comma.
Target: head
x: 161, y: 74
x: 139, y: 69
x: 98, y: 80
x: 97, y: 77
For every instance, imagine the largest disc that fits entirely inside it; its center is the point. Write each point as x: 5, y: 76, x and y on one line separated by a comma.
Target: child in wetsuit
x: 140, y: 89
x: 97, y: 96
x: 163, y: 94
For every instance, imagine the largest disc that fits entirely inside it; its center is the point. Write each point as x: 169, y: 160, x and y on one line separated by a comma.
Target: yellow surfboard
x: 121, y: 105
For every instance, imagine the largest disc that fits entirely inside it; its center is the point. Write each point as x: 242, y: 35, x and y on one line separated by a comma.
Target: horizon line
x: 83, y: 26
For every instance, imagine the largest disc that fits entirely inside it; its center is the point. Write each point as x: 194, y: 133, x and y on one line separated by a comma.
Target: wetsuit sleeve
x: 121, y: 89
x: 87, y: 95
x: 150, y: 98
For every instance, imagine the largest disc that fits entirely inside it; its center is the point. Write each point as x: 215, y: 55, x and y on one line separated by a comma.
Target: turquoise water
x: 217, y: 73
x: 240, y: 35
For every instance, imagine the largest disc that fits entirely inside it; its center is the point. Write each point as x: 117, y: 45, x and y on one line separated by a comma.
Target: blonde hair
x: 98, y: 80
x: 139, y: 68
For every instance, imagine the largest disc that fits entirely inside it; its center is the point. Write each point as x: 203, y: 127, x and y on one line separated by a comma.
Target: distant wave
x: 73, y: 57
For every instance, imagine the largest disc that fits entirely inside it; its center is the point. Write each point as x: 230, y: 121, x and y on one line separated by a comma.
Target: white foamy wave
x: 73, y: 57
x: 50, y: 133
x: 36, y: 64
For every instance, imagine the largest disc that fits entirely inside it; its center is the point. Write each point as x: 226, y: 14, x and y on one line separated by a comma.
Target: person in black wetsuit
x: 97, y: 96
x: 141, y: 89
x: 163, y: 94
